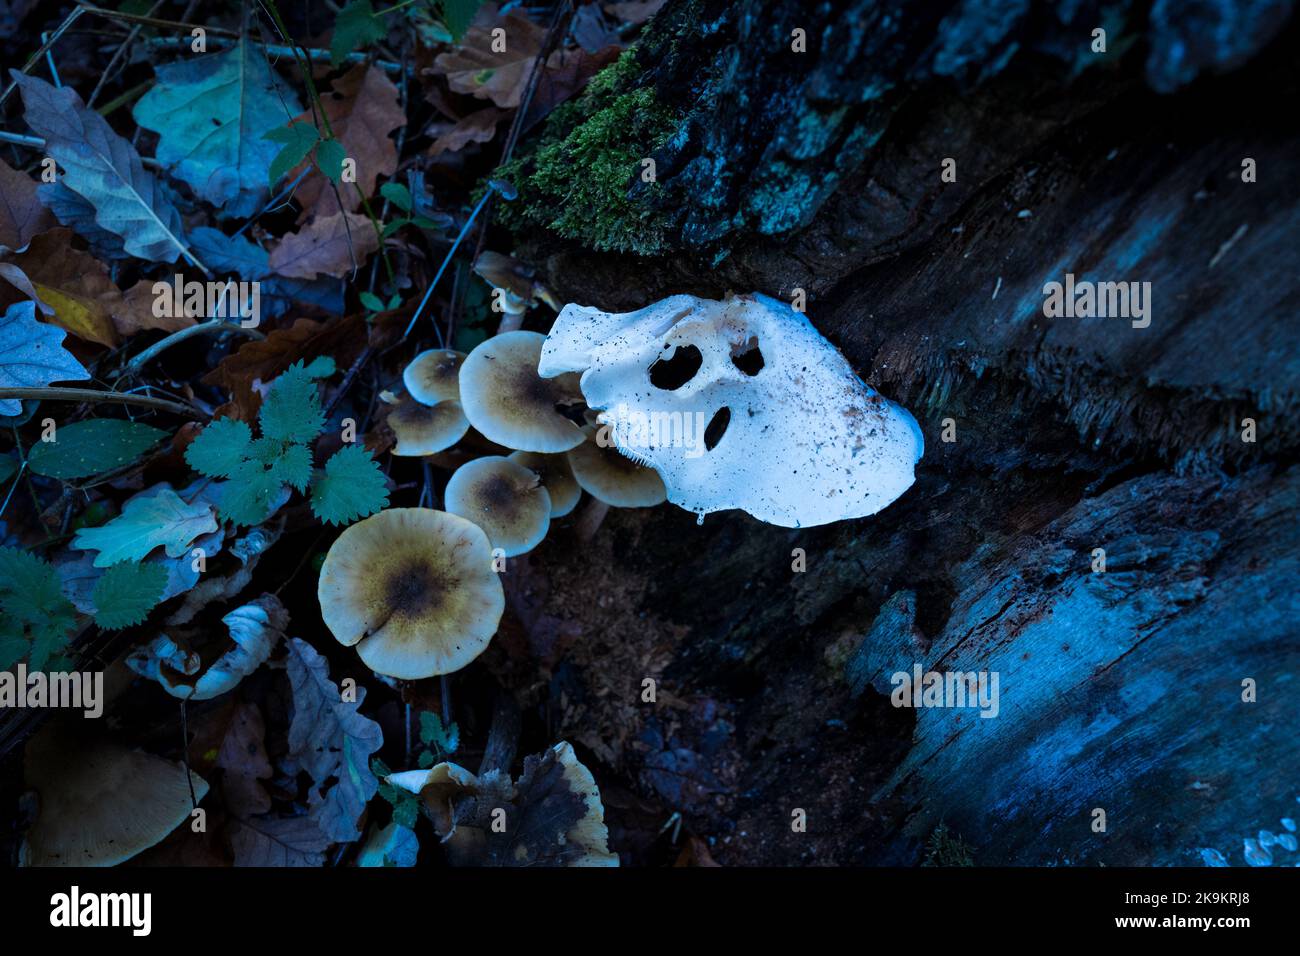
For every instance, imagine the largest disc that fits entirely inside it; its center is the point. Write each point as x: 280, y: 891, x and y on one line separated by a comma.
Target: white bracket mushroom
x: 738, y: 404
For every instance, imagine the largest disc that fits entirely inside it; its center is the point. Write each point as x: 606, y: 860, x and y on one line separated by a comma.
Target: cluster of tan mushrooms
x: 416, y: 590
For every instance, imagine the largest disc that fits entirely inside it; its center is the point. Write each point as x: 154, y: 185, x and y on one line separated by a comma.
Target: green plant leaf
x: 36, y: 619
x: 291, y: 410
x: 127, y: 592
x: 329, y: 157
x: 397, y: 194
x: 434, y: 734
x: 147, y: 521
x: 457, y: 15
x: 92, y: 447
x: 296, y: 141
x: 293, y: 467
x: 220, y: 447
x: 356, y: 26
x: 248, y: 497
x: 351, y: 487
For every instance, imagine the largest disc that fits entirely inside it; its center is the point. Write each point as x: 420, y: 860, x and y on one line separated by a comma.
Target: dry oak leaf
x: 333, y: 246
x: 364, y: 107
x: 72, y: 287
x: 496, y: 74
x: 22, y: 216
x: 477, y: 127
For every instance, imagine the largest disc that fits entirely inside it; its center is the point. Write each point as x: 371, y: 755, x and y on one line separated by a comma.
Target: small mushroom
x: 515, y: 279
x: 413, y: 590
x: 100, y: 803
x: 510, y: 404
x: 610, y: 476
x: 434, y: 376
x: 425, y: 430
x: 556, y: 477
x: 503, y: 498
x: 553, y: 814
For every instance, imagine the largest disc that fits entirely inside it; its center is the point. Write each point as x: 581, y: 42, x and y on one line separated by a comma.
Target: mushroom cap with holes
x: 556, y: 477
x: 434, y: 376
x: 425, y: 430
x: 100, y: 803
x: 503, y: 498
x: 608, y: 475
x: 510, y: 404
x: 413, y: 590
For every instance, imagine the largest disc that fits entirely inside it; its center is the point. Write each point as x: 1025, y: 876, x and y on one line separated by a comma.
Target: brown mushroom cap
x: 506, y: 400
x: 434, y: 376
x: 610, y: 476
x: 413, y: 589
x: 556, y: 477
x: 100, y: 803
x: 425, y: 430
x: 503, y: 498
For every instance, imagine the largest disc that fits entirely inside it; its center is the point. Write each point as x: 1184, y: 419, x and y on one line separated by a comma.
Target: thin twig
x: 276, y: 49
x: 210, y: 327
x: 94, y: 395
x: 45, y: 48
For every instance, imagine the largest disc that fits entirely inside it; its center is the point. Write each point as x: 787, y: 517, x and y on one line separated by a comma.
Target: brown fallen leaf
x: 498, y: 74
x: 242, y: 757
x: 333, y: 246
x: 138, y: 314
x: 565, y: 76
x: 22, y: 217
x: 363, y: 107
x: 478, y: 127
x: 71, y: 286
x: 259, y: 361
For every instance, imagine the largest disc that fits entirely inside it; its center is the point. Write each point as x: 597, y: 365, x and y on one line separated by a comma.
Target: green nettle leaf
x: 356, y: 26
x: 220, y: 448
x: 296, y: 141
x: 291, y: 410
x: 290, y: 419
x: 36, y: 619
x: 293, y: 467
x: 31, y: 354
x: 352, y: 486
x: 212, y: 114
x: 329, y: 157
x: 103, y: 169
x: 434, y: 734
x: 457, y: 15
x: 249, y: 497
x: 406, y: 805
x: 92, y: 447
x: 127, y: 592
x: 147, y: 521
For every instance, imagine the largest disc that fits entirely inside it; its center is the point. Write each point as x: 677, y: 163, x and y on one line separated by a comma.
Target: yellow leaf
x: 83, y: 317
